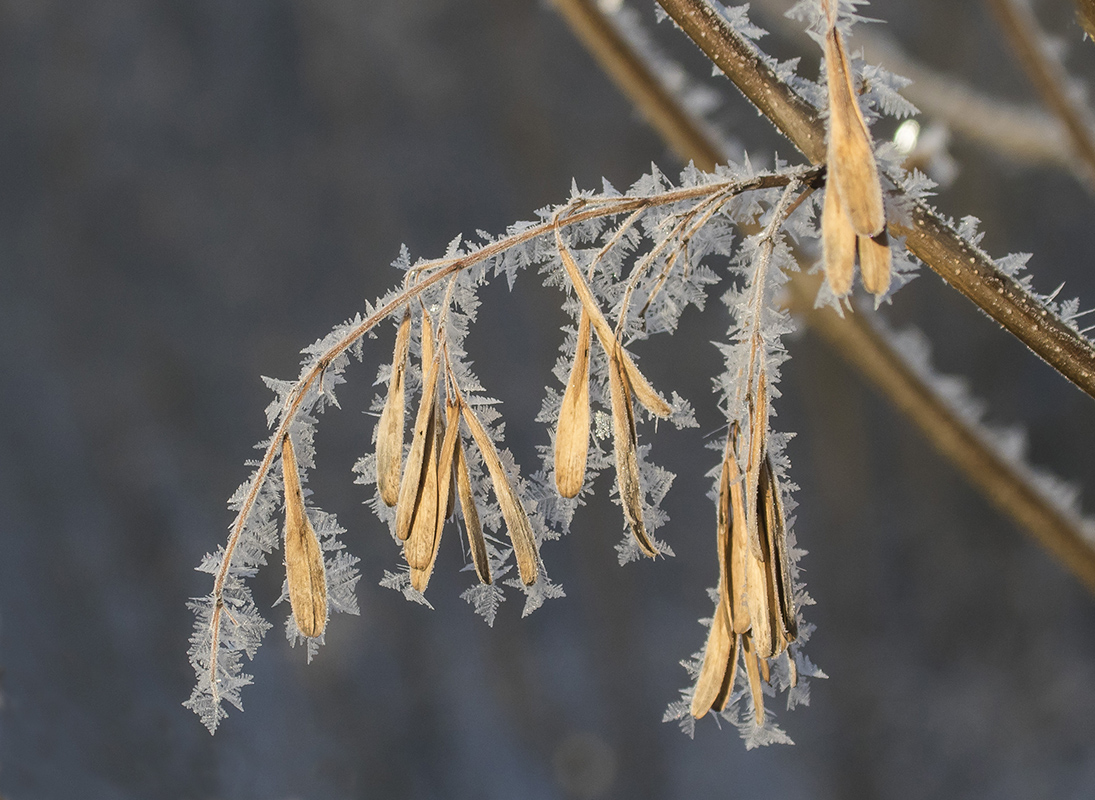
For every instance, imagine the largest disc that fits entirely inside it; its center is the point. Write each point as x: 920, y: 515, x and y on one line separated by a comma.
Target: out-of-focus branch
x: 959, y: 262
x: 636, y: 80
x: 1048, y: 76
x: 1085, y: 13
x: 1004, y: 485
x: 1002, y: 481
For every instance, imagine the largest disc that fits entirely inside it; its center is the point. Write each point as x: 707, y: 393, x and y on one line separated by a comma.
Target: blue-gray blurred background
x: 192, y: 191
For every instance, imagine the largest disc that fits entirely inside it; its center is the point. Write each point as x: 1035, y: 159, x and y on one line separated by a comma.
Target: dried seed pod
x: 752, y: 669
x: 851, y: 157
x: 389, y: 437
x: 304, y: 569
x: 476, y: 543
x: 447, y: 460
x: 760, y: 608
x: 717, y: 662
x: 415, y: 472
x: 421, y: 572
x: 740, y: 552
x: 723, y: 523
x: 625, y: 445
x: 517, y: 522
x: 422, y: 535
x: 427, y: 340
x: 838, y: 239
x: 644, y: 392
x: 779, y: 568
x: 572, y: 433
x: 758, y: 442
x: 875, y: 263
x: 727, y: 688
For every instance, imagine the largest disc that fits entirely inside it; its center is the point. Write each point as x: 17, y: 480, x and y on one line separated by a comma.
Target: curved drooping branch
x: 420, y: 278
x: 935, y: 241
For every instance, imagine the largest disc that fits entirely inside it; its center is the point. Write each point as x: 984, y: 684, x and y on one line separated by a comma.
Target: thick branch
x: 936, y: 243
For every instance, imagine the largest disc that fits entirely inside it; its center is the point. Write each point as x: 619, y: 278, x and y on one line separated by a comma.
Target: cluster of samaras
x: 755, y: 613
x: 426, y: 488
x: 755, y: 617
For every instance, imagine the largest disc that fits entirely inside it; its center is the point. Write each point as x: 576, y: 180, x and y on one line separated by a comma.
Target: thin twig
x: 1048, y: 76
x: 961, y: 264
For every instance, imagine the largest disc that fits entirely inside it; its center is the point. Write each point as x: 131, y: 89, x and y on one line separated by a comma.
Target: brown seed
x: 415, y: 472
x: 476, y: 543
x: 740, y: 553
x: 752, y: 669
x: 760, y: 609
x: 420, y: 574
x: 875, y: 263
x: 422, y: 546
x: 447, y: 460
x: 625, y: 445
x: 851, y: 158
x: 644, y: 392
x: 572, y: 434
x: 421, y: 538
x: 304, y: 569
x: 758, y: 442
x: 723, y: 528
x: 427, y: 340
x: 779, y: 569
x: 731, y: 673
x: 716, y: 661
x: 837, y: 239
x: 389, y: 437
x: 517, y: 522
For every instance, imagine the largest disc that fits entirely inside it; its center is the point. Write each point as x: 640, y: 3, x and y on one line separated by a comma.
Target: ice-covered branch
x: 933, y: 239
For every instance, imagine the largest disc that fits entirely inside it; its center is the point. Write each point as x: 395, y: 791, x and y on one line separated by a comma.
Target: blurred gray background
x: 191, y: 192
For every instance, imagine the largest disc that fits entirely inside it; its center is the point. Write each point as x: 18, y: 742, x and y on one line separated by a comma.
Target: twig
x: 1048, y: 76
x: 963, y: 265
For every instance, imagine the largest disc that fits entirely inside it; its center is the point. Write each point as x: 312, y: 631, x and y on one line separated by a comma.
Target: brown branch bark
x: 965, y: 267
